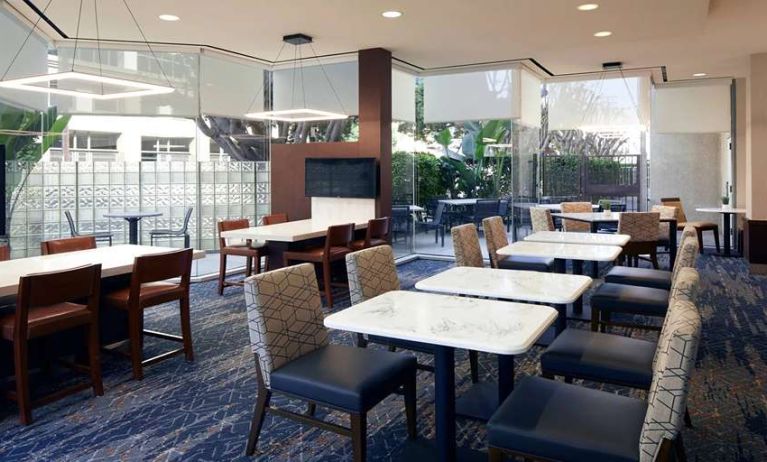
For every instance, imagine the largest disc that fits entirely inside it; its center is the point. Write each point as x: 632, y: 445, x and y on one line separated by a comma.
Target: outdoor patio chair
x: 101, y: 236
x: 171, y: 233
x: 437, y: 224
x: 484, y: 208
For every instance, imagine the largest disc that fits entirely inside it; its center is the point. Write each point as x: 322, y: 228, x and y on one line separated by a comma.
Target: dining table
x: 560, y: 237
x: 444, y: 323
x: 132, y: 218
x: 726, y: 212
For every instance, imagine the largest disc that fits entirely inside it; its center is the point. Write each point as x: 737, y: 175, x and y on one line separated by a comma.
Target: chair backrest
x: 230, y: 225
x: 541, y: 219
x: 71, y: 222
x: 339, y: 236
x: 495, y: 237
x: 675, y: 202
x: 466, y: 246
x: 486, y: 208
x: 665, y: 211
x: 187, y: 217
x: 576, y: 207
x: 45, y: 289
x: 675, y: 360
x: 284, y: 316
x: 160, y: 267
x: 503, y: 207
x: 5, y: 252
x: 69, y: 244
x: 274, y: 219
x: 371, y: 272
x: 686, y: 255
x: 617, y: 207
x: 683, y: 289
x: 439, y: 213
x: 641, y: 226
x: 378, y: 228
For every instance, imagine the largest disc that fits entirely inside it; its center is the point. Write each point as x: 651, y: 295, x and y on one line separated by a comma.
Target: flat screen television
x: 341, y: 177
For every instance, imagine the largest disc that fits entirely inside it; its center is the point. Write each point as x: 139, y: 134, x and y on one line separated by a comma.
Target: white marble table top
x: 597, y: 217
x: 291, y: 231
x: 530, y: 286
x: 563, y: 251
x: 722, y: 209
x: 579, y: 238
x: 504, y: 328
x: 114, y: 261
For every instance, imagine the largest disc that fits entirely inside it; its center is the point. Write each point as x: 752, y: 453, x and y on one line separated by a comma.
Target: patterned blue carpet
x: 201, y: 411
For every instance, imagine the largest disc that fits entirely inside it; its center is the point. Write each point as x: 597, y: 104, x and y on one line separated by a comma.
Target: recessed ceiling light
x: 169, y: 17
x: 699, y: 74
x: 604, y: 33
x: 588, y: 7
x: 391, y: 14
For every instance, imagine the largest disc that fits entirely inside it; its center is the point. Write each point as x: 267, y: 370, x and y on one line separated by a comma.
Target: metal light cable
x: 146, y: 42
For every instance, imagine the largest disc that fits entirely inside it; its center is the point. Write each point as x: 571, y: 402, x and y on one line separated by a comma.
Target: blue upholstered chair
x: 656, y: 279
x: 294, y: 358
x: 612, y: 298
x: 549, y: 420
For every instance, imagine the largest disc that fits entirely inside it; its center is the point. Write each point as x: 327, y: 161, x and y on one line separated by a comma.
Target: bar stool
x: 274, y: 219
x: 147, y: 290
x: 49, y: 303
x: 377, y: 233
x: 336, y: 247
x: 69, y: 244
x: 245, y: 248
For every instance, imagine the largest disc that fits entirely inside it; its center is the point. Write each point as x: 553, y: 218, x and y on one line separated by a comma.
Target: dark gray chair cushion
x: 348, y: 378
x: 606, y: 358
x: 644, y: 277
x: 620, y: 298
x: 527, y: 263
x: 557, y: 421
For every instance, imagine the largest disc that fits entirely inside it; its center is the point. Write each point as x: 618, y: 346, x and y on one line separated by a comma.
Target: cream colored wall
x: 756, y: 164
x: 741, y: 147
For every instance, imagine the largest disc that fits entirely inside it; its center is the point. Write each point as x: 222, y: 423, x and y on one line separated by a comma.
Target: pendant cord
x: 24, y: 43
x: 327, y: 78
x: 293, y: 85
x: 77, y: 34
x: 98, y: 42
x: 146, y: 42
x: 301, y: 69
x: 263, y: 81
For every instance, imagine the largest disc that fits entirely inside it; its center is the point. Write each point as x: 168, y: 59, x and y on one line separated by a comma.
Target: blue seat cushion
x: 620, y: 298
x: 600, y: 357
x: 347, y: 378
x: 644, y: 277
x: 527, y: 263
x: 557, y: 421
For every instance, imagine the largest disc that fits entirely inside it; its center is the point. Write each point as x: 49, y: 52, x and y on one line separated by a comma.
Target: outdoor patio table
x: 726, y: 212
x: 445, y: 323
x: 555, y: 289
x: 132, y: 218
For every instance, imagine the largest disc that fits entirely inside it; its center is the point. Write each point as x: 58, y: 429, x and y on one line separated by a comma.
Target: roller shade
x: 479, y: 95
x: 530, y: 99
x: 403, y: 96
x: 230, y: 87
x: 289, y: 91
x: 32, y: 60
x: 692, y: 108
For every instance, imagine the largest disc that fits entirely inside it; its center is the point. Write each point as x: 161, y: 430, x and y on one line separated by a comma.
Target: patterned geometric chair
x: 665, y: 212
x: 541, y: 219
x: 700, y: 226
x: 576, y: 207
x: 657, y: 279
x: 466, y: 246
x: 620, y: 298
x: 643, y: 229
x: 496, y: 238
x: 550, y: 420
x: 293, y: 357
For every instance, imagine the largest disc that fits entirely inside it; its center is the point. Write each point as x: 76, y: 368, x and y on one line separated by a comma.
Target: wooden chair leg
x: 22, y: 382
x: 186, y: 329
x: 136, y: 335
x: 359, y: 436
x: 94, y: 360
x: 326, y: 282
x: 258, y: 420
x: 221, y: 273
x: 594, y: 319
x: 410, y: 406
x: 494, y: 454
x: 248, y: 266
x: 716, y: 239
x: 687, y: 418
x: 257, y: 259
x: 700, y: 239
x: 474, y: 366
x: 311, y: 409
x: 654, y: 259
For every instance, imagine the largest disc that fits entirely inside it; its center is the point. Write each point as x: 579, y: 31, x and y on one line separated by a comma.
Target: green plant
x: 725, y: 200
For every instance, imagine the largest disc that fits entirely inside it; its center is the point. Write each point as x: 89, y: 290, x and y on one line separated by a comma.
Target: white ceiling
x: 686, y: 36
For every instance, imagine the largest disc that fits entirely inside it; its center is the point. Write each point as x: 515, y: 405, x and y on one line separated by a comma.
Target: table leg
x: 561, y: 324
x: 560, y: 265
x: 726, y: 218
x: 577, y: 266
x: 444, y: 402
x: 672, y: 245
x: 505, y: 377
x: 133, y: 230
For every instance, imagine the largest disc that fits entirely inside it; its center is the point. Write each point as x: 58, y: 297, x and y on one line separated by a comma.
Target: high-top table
x: 726, y: 213
x: 445, y: 323
x: 288, y: 235
x: 132, y: 218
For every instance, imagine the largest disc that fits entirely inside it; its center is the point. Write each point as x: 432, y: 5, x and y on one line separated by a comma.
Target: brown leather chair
x: 69, y: 244
x: 49, y: 303
x: 5, y: 253
x: 274, y: 219
x: 376, y: 234
x: 337, y: 242
x: 149, y: 287
x: 700, y: 226
x: 245, y: 249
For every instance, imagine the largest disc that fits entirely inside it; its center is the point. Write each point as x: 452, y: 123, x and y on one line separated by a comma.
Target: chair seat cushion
x: 99, y: 234
x: 557, y: 421
x: 360, y: 244
x: 600, y: 357
x: 244, y: 250
x: 620, y: 298
x: 644, y: 277
x: 704, y: 225
x: 315, y: 254
x: 43, y: 320
x: 527, y: 263
x: 348, y: 378
x: 151, y: 294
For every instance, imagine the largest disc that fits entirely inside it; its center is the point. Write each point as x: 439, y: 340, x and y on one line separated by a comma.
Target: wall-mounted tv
x: 341, y: 177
